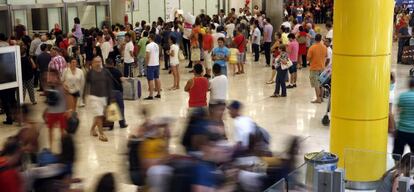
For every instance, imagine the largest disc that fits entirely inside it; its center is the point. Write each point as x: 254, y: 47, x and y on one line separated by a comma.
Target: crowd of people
x: 90, y: 66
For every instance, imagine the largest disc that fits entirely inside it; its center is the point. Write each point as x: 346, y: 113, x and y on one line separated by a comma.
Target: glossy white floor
x: 283, y: 117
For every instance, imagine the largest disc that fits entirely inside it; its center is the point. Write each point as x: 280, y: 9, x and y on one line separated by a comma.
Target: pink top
x: 293, y: 50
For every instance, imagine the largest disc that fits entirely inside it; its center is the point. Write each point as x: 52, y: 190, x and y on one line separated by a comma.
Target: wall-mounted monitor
x: 10, y: 69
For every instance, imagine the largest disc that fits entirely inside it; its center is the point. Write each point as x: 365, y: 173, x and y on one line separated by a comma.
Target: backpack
x: 52, y: 97
x: 301, y: 39
x: 73, y: 123
x: 46, y: 157
x: 260, y: 142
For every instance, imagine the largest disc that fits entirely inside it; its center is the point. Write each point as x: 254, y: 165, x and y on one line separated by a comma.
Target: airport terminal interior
x: 227, y: 57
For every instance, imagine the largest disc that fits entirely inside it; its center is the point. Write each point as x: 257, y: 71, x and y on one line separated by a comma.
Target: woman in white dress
x: 73, y: 81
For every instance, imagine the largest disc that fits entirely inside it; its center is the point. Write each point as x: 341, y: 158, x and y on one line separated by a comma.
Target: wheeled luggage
x: 132, y: 88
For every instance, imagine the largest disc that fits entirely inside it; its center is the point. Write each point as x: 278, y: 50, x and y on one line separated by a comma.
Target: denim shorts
x: 293, y: 68
x: 153, y: 72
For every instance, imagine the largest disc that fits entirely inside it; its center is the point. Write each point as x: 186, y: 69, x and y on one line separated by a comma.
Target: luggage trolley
x: 325, y: 80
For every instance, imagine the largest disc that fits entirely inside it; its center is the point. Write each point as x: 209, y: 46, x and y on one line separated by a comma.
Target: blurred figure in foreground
x: 106, y: 183
x: 389, y: 181
x: 405, y: 130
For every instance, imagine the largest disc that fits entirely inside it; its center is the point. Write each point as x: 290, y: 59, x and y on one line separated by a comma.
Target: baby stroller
x: 325, y: 80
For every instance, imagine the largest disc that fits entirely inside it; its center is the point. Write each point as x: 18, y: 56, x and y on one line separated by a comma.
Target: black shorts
x: 293, y: 68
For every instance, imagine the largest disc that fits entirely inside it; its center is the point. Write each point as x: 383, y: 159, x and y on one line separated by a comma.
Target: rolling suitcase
x: 132, y: 88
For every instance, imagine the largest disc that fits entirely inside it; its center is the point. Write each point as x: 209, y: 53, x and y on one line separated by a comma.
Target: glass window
x: 87, y: 16
x: 212, y: 7
x: 54, y: 16
x: 22, y: 2
x: 49, y: 1
x: 142, y: 12
x: 200, y: 6
x: 20, y: 15
x: 100, y: 14
x: 187, y: 6
x: 72, y: 13
x: 157, y: 10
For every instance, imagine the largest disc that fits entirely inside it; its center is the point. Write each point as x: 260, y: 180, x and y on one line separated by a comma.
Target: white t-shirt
x: 329, y: 35
x: 74, y: 82
x: 174, y: 58
x: 287, y: 24
x: 129, y: 47
x: 230, y: 30
x: 257, y: 34
x: 244, y: 127
x: 216, y: 36
x: 154, y: 51
x: 329, y: 55
x: 218, y: 88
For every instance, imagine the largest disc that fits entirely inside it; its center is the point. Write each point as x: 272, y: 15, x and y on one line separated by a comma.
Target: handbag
x: 181, y: 56
x: 195, y: 54
x: 113, y: 113
x: 287, y: 65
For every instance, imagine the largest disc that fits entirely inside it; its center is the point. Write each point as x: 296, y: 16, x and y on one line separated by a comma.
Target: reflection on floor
x: 283, y: 117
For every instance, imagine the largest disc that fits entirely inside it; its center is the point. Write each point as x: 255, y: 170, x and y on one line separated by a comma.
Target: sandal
x: 103, y: 138
x: 270, y: 82
x: 316, y: 101
x: 93, y: 133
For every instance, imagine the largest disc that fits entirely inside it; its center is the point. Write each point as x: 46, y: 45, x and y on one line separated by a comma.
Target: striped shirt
x: 406, y: 105
x: 58, y: 63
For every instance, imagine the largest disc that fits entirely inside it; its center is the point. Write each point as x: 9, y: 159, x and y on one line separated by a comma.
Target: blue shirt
x: 222, y: 53
x: 406, y: 105
x: 205, y: 174
x: 312, y: 34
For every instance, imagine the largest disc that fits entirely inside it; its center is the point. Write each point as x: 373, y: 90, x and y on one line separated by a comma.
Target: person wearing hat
x: 244, y: 126
x: 57, y: 62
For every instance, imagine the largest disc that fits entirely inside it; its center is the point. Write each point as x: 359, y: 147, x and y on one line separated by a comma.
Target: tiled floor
x: 283, y: 117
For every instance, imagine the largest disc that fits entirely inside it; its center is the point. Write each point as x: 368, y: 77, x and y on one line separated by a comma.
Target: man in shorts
x: 317, y: 56
x: 293, y: 50
x: 99, y: 84
x: 240, y: 42
x: 152, y: 62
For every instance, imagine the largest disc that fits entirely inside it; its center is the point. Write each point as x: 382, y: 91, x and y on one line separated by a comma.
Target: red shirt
x: 208, y: 42
x: 10, y: 180
x: 198, y: 93
x: 239, y: 42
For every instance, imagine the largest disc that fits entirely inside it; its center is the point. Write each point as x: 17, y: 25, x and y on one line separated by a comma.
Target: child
x: 56, y: 105
x: 174, y: 62
x: 234, y: 52
x: 276, y: 53
x: 208, y: 45
x: 282, y: 64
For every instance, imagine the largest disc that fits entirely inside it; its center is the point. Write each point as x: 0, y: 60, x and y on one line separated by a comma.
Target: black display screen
x: 7, y: 68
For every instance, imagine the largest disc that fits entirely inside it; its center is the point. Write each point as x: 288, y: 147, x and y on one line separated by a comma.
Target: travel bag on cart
x: 325, y: 76
x: 132, y: 88
x: 408, y: 55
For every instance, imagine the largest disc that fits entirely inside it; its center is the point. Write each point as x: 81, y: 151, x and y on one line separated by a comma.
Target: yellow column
x: 360, y: 86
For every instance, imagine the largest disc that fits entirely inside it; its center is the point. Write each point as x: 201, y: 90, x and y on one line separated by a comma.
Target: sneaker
x: 158, y: 96
x: 123, y: 126
x: 189, y: 66
x: 34, y: 103
x: 294, y: 85
x: 149, y: 98
x: 289, y: 87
